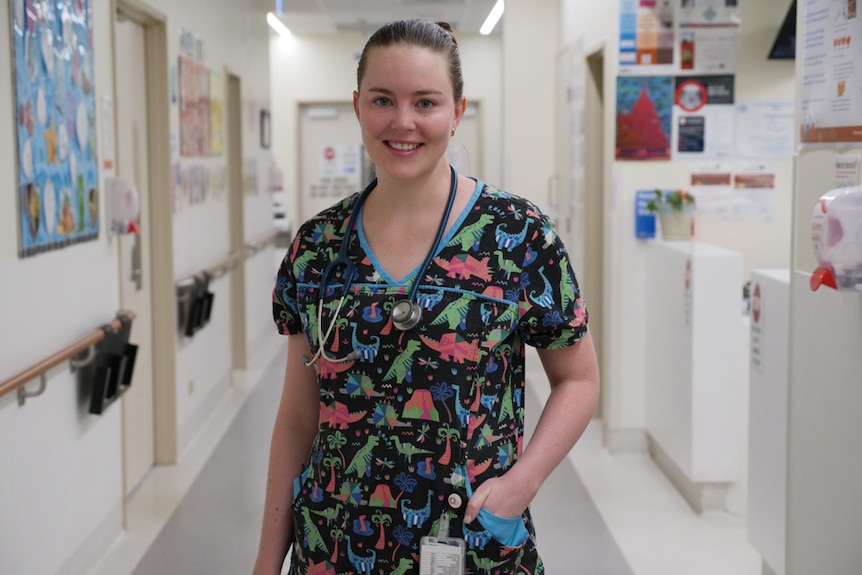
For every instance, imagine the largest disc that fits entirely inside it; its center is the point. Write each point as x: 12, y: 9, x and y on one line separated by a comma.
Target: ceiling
x: 365, y: 16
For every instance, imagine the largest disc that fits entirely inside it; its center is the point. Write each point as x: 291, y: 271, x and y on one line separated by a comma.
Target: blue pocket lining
x: 510, y: 531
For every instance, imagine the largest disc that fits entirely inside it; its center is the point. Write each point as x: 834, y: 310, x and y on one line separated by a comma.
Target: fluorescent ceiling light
x: 492, y: 19
x: 276, y: 24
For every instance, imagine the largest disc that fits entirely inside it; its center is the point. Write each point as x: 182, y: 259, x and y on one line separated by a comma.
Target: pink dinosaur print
x: 453, y: 347
x: 465, y: 266
x: 338, y: 416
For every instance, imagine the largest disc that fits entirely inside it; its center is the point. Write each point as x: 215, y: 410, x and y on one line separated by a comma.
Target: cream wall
x: 764, y: 244
x: 61, y: 486
x: 322, y: 69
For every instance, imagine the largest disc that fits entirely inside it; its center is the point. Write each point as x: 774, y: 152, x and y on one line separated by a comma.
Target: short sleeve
x: 285, y: 308
x: 552, y: 312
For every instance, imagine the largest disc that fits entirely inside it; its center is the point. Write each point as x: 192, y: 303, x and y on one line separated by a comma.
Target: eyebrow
x: 416, y: 93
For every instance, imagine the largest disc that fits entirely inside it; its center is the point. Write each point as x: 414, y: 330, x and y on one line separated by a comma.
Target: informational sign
x: 847, y: 170
x: 339, y: 171
x: 703, y: 117
x: 644, y: 219
x: 727, y: 191
x: 765, y: 129
x: 646, y: 33
x: 831, y: 82
x: 708, y: 36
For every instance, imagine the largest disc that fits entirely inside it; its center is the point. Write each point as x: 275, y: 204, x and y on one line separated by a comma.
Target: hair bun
x: 448, y: 27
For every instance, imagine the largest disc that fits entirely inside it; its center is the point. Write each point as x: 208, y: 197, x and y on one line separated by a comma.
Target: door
x: 134, y: 249
x: 331, y: 157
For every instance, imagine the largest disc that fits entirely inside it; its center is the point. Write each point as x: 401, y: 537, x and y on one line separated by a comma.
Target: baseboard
x: 94, y: 546
x: 703, y: 497
x: 625, y: 440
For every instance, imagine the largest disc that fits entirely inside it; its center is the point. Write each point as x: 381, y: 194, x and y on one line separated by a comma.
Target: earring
x: 452, y: 134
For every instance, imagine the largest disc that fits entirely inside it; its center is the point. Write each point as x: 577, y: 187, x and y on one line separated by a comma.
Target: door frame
x: 236, y: 218
x: 160, y: 238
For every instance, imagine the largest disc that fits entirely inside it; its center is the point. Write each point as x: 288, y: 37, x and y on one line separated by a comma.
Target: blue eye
x: 382, y: 101
x: 425, y: 104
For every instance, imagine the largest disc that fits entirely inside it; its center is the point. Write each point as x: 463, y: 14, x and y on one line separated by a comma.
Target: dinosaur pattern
x: 413, y: 416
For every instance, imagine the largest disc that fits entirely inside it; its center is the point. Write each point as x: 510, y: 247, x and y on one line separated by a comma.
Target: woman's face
x: 406, y: 110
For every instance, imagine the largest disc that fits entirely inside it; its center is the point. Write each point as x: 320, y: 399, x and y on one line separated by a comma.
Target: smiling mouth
x: 401, y: 147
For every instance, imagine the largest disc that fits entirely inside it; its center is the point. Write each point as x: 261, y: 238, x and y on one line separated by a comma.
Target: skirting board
x: 703, y: 497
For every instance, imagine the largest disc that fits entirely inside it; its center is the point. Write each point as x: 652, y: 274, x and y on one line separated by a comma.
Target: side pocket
x: 510, y: 531
x: 298, y: 482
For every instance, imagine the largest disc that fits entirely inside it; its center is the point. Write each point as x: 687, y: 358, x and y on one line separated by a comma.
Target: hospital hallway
x: 598, y: 513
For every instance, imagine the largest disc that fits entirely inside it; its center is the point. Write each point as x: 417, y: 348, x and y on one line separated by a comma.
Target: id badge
x: 441, y: 556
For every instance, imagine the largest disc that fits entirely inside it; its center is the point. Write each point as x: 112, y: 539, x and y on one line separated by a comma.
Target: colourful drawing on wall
x: 194, y: 108
x: 216, y: 111
x: 55, y: 106
x: 644, y: 112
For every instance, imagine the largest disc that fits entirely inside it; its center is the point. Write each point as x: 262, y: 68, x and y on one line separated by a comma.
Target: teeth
x: 403, y: 147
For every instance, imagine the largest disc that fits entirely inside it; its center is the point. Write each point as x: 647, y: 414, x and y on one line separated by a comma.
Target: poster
x: 847, y: 170
x: 216, y: 113
x: 644, y: 110
x: 831, y: 83
x: 703, y: 117
x: 194, y: 108
x: 646, y: 32
x: 765, y: 129
x: 55, y: 111
x: 727, y: 191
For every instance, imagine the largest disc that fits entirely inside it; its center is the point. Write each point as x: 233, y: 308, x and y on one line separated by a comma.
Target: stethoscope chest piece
x: 406, y: 314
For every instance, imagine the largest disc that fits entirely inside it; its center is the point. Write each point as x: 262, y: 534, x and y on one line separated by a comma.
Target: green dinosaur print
x: 404, y: 566
x: 402, y: 366
x: 484, y: 563
x: 408, y: 450
x: 312, y: 535
x: 361, y: 462
x: 567, y: 291
x: 469, y: 235
x: 455, y: 313
x: 330, y: 513
x: 507, y: 266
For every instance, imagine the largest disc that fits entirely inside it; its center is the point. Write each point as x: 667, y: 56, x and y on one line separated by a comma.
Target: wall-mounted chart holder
x: 112, y: 366
x: 195, y: 302
x: 836, y: 236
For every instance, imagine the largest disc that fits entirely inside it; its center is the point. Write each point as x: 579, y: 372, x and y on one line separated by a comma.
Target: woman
x: 401, y: 416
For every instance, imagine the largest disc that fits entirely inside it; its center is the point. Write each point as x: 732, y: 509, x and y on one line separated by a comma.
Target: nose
x: 402, y: 118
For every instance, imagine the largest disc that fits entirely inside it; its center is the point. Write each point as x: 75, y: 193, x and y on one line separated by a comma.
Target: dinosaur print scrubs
x: 421, y: 415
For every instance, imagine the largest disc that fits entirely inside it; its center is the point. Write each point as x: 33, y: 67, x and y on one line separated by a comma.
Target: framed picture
x: 264, y: 129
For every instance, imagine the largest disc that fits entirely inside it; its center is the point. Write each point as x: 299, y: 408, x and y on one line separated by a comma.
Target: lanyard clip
x: 443, y: 529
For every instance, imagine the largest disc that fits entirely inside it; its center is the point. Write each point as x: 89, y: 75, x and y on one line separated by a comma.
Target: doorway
x: 145, y: 259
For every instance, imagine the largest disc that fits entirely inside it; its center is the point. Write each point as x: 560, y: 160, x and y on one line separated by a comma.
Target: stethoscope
x: 406, y: 313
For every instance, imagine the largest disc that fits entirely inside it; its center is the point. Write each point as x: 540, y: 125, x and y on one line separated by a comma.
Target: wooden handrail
x: 64, y: 354
x: 254, y: 247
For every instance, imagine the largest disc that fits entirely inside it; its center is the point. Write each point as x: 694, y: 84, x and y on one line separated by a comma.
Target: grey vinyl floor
x: 215, y: 528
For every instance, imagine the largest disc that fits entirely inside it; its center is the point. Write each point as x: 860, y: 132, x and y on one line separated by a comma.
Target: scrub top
x: 414, y: 421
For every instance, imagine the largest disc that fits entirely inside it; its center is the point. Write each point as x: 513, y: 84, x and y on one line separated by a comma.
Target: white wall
x: 322, y: 69
x: 765, y: 244
x: 61, y: 482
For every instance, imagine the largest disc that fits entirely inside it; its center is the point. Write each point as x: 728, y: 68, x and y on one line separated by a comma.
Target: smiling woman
x: 399, y: 437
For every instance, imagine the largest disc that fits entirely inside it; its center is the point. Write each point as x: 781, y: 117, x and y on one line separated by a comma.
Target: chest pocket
x: 463, y: 327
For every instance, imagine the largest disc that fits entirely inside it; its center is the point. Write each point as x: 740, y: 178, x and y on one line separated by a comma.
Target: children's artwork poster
x: 216, y: 114
x: 194, y: 108
x: 726, y: 191
x: 644, y: 115
x: 55, y: 105
x: 704, y: 117
x: 831, y: 83
x: 647, y: 32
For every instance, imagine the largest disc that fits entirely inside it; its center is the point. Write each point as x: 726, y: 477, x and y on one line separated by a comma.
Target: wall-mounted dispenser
x: 123, y: 205
x: 836, y: 235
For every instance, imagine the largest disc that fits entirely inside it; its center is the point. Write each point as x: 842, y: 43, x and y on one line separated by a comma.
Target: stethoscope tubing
x: 349, y: 271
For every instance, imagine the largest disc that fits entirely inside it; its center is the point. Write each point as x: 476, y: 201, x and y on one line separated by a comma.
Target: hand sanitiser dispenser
x: 836, y: 234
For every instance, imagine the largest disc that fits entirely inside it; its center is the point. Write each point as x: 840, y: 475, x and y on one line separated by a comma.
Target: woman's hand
x: 504, y: 496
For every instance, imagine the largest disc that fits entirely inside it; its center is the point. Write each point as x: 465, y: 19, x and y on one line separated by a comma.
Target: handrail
x: 215, y: 271
x: 68, y: 353
x: 252, y: 248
